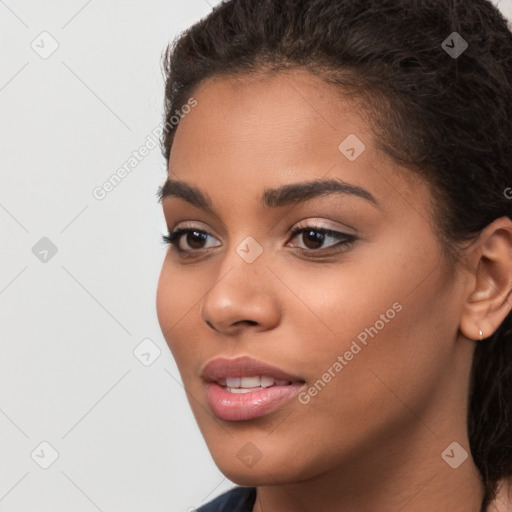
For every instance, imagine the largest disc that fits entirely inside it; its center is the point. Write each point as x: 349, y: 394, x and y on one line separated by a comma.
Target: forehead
x: 260, y: 113
x: 267, y: 130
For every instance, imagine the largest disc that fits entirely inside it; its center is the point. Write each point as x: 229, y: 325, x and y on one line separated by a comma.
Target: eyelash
x: 344, y: 239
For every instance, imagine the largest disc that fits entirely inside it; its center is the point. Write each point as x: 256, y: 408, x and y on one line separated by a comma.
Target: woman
x: 337, y: 289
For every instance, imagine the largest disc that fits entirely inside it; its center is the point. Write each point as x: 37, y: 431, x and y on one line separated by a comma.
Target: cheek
x: 391, y: 326
x: 178, y: 299
x: 174, y: 300
x: 165, y: 300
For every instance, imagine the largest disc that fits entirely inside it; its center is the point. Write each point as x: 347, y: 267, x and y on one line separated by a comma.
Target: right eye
x: 194, y: 238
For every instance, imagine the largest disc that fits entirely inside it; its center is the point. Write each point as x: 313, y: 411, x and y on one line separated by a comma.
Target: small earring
x: 481, y: 334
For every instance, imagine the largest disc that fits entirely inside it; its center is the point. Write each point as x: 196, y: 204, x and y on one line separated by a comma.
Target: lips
x: 221, y: 369
x: 243, y: 389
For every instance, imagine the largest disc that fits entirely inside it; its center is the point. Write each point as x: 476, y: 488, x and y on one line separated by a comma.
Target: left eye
x: 316, y: 237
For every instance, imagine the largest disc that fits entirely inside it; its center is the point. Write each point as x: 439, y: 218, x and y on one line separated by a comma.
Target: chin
x: 271, y: 469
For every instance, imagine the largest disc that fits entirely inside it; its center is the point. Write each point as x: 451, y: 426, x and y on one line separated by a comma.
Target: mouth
x: 245, y: 388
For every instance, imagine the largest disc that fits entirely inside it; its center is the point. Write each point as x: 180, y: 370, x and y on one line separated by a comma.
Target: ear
x: 489, y: 297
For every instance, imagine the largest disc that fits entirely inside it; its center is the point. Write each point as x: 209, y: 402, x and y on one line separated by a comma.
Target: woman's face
x: 366, y: 322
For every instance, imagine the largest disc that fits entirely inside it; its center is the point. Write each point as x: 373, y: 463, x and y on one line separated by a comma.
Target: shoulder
x: 238, y: 499
x: 503, y: 499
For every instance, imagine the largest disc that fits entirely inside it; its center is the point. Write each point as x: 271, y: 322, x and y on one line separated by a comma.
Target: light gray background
x: 124, y: 433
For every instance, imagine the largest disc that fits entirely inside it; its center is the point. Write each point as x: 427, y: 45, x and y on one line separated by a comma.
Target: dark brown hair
x: 447, y: 117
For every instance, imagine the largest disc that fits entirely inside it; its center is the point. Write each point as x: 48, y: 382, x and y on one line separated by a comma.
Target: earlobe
x: 490, y: 299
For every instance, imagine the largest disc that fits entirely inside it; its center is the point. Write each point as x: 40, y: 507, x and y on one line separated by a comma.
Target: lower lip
x: 246, y: 406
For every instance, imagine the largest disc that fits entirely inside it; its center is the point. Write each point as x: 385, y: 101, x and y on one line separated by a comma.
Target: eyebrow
x: 289, y: 194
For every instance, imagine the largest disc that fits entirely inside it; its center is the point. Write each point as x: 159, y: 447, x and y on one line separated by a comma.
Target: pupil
x: 317, y: 240
x: 196, y: 234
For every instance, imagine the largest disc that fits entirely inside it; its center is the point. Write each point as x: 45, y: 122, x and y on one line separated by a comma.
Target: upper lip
x: 243, y: 366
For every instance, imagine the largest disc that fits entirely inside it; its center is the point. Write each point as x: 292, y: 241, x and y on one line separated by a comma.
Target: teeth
x: 266, y: 382
x: 250, y: 382
x: 242, y: 390
x: 233, y: 382
x: 247, y: 384
x: 243, y: 382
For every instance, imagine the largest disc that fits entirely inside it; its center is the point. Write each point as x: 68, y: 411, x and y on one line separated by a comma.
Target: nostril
x: 234, y: 324
x: 250, y: 322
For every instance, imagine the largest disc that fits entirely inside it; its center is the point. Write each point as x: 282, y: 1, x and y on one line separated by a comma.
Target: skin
x: 372, y: 439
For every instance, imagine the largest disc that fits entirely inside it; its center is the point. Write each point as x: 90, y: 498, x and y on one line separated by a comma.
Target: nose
x: 242, y: 297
